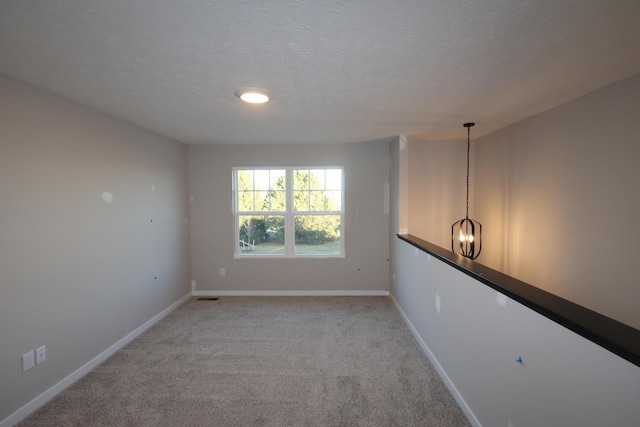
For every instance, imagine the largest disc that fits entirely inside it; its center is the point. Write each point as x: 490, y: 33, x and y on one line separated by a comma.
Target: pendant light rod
x: 468, y: 126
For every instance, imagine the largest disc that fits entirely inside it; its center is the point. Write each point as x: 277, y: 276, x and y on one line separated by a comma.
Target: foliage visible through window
x: 289, y: 211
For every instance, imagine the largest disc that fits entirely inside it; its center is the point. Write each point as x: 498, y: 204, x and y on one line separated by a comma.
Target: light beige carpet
x: 264, y: 361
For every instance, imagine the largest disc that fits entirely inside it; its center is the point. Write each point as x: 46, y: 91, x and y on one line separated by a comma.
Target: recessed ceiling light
x: 254, y: 95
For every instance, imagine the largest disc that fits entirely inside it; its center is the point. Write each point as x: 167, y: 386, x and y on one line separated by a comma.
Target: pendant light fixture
x: 466, y: 234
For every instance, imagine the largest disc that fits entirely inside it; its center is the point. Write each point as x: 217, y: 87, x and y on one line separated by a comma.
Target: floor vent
x: 208, y: 299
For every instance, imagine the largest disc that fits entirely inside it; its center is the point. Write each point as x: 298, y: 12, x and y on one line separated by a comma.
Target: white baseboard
x: 452, y: 388
x: 36, y: 403
x: 383, y: 293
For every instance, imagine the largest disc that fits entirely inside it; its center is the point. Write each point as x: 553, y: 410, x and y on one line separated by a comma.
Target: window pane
x: 261, y: 190
x: 261, y: 179
x: 277, y: 185
x: 316, y: 181
x: 317, y: 235
x: 333, y: 200
x: 301, y: 200
x: 276, y: 179
x: 317, y: 201
x: 300, y: 179
x: 261, y: 201
x: 278, y: 200
x: 261, y: 235
x: 245, y: 200
x: 245, y: 179
x: 334, y: 179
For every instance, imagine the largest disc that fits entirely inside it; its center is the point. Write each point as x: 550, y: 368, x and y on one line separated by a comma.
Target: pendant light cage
x: 466, y: 233
x: 466, y: 238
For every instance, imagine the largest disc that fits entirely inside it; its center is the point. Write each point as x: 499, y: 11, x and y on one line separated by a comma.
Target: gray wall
x: 437, y: 184
x: 78, y: 274
x: 394, y: 206
x: 557, y: 196
x: 476, y: 336
x: 559, y: 199
x: 365, y: 267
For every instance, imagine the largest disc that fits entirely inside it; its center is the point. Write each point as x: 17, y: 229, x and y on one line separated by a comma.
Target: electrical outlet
x: 41, y: 354
x: 28, y: 361
x: 222, y: 271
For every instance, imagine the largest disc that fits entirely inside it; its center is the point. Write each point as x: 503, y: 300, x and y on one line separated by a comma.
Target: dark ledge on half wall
x: 615, y: 336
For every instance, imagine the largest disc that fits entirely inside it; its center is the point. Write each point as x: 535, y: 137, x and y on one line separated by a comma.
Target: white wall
x: 78, y: 274
x: 365, y: 266
x: 476, y: 336
x: 558, y: 197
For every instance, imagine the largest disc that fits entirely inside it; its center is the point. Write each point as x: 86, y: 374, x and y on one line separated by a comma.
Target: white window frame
x: 289, y: 214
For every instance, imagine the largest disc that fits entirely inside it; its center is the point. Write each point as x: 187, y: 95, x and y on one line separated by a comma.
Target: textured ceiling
x: 341, y: 71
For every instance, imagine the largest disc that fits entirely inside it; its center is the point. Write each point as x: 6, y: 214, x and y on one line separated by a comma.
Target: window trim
x: 289, y: 214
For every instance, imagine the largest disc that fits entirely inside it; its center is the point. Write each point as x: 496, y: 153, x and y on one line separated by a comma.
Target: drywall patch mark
x: 438, y: 303
x: 191, y: 199
x: 107, y: 197
x: 153, y: 187
x: 501, y: 299
x: 416, y: 251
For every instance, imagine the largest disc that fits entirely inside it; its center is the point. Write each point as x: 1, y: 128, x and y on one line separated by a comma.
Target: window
x: 289, y: 212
